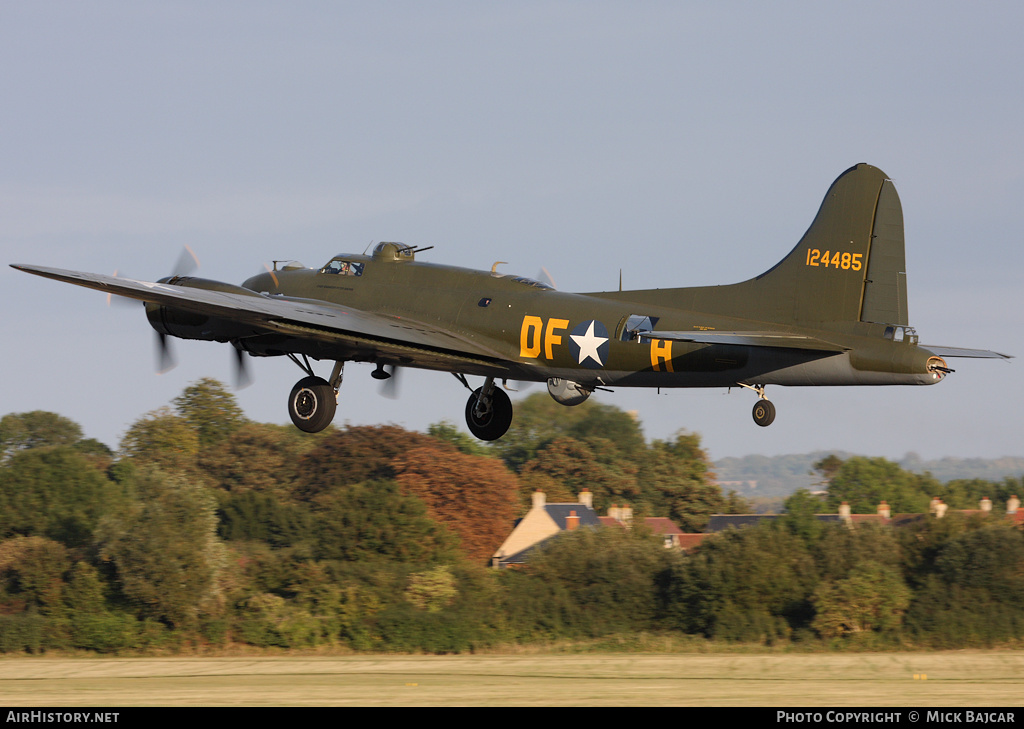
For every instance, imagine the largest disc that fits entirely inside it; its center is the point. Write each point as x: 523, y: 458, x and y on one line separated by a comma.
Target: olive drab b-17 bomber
x: 832, y: 312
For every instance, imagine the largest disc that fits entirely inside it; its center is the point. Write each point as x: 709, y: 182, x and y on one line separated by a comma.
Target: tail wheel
x: 312, y: 404
x: 488, y: 418
x: 764, y: 413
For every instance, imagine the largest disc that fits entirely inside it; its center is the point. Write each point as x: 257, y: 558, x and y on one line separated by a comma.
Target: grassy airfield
x: 960, y: 678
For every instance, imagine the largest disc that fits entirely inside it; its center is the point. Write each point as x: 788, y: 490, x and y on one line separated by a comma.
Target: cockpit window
x: 531, y: 282
x: 344, y: 268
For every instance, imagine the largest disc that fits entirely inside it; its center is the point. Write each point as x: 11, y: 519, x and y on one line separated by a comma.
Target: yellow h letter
x: 661, y: 351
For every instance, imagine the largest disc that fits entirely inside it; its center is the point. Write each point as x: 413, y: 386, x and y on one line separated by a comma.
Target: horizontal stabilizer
x: 961, y: 352
x: 782, y: 340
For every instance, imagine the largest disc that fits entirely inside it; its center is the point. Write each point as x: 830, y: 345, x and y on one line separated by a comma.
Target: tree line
x: 205, y: 531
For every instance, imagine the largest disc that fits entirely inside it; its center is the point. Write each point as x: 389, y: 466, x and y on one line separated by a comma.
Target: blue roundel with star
x: 589, y: 344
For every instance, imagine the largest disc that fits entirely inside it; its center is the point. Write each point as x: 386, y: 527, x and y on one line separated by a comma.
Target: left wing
x: 308, y: 318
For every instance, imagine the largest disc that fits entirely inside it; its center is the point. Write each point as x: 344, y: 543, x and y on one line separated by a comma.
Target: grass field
x: 960, y: 678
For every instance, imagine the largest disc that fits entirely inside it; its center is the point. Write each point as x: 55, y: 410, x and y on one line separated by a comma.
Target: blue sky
x: 685, y: 143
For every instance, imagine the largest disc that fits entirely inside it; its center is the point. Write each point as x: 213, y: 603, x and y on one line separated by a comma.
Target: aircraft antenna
x: 620, y: 279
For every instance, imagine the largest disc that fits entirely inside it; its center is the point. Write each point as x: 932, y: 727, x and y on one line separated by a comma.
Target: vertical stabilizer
x: 849, y: 266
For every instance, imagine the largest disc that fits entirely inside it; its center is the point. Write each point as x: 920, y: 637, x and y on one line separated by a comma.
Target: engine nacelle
x: 191, y: 325
x: 567, y: 392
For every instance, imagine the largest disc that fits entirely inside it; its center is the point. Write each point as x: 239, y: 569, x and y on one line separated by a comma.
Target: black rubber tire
x: 764, y: 413
x: 312, y: 404
x: 494, y: 423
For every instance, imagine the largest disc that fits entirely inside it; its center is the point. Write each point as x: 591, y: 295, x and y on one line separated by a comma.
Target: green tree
x: 54, y: 492
x: 257, y: 457
x: 165, y: 549
x: 540, y: 420
x: 93, y: 625
x: 676, y: 481
x: 32, y: 571
x: 751, y: 584
x: 800, y: 517
x: 865, y: 482
x: 967, y: 579
x: 163, y: 439
x: 375, y: 522
x: 447, y: 432
x: 568, y: 465
x: 591, y: 582
x: 21, y: 431
x: 871, y: 599
x: 432, y: 590
x: 210, y: 409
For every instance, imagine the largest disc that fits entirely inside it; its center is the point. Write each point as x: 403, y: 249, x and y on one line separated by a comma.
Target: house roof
x: 689, y: 541
x: 662, y: 525
x: 559, y: 513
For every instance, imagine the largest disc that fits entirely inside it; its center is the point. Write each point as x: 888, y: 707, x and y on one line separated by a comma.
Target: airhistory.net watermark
x: 63, y: 717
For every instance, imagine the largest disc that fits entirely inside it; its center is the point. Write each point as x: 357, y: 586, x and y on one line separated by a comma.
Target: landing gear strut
x: 764, y: 411
x: 488, y: 412
x: 313, y: 401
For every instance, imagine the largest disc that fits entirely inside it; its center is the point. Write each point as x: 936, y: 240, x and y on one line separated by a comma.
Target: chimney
x: 884, y: 511
x: 571, y: 522
x: 626, y: 514
x: 844, y: 514
x: 587, y: 498
x: 985, y: 504
x: 538, y: 499
x: 613, y: 512
x: 934, y: 503
x: 1012, y: 505
x: 940, y: 509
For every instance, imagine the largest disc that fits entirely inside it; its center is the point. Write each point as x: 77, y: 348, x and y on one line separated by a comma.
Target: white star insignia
x: 588, y: 344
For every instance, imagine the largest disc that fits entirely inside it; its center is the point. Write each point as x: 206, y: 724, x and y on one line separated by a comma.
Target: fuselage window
x: 632, y: 326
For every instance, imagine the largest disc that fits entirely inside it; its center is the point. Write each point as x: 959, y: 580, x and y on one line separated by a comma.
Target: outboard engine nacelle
x: 185, y: 324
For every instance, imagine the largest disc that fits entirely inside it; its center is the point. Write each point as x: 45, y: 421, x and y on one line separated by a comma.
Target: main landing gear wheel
x: 764, y: 413
x: 488, y: 418
x: 312, y: 404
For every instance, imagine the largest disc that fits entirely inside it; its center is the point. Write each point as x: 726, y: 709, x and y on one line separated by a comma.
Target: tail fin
x: 849, y: 266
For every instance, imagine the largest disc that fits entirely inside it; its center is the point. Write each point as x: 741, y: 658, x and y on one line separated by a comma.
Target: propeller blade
x: 242, y: 377
x: 544, y: 277
x: 389, y: 387
x: 272, y: 274
x: 187, y: 263
x: 165, y: 361
x: 121, y: 301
